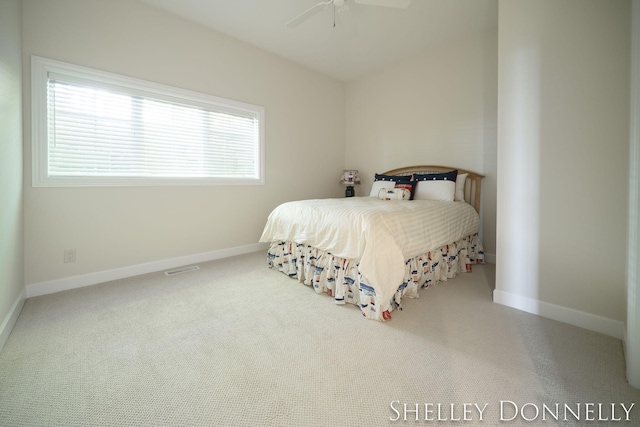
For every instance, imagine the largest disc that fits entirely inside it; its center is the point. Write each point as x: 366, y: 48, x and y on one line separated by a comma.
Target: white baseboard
x: 11, y: 318
x: 578, y: 318
x: 73, y: 282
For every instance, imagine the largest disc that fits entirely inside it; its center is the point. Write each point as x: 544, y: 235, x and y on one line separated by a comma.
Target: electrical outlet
x: 69, y: 255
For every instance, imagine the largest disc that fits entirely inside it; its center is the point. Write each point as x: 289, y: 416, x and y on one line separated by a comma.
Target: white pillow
x: 379, y: 185
x: 435, y: 190
x: 460, y: 180
x: 394, y: 194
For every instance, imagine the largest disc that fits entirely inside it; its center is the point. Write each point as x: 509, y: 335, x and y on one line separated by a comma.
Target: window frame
x: 40, y: 69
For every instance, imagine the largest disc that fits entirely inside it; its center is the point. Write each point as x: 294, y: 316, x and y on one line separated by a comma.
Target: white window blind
x: 105, y: 129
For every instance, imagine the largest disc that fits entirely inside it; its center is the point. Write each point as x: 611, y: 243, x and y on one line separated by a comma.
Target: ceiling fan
x: 340, y: 6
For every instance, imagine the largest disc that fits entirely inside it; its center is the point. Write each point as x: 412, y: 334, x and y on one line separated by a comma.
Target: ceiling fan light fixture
x: 398, y: 4
x: 340, y: 5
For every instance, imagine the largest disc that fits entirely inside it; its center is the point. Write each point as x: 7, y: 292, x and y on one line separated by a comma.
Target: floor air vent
x: 181, y: 270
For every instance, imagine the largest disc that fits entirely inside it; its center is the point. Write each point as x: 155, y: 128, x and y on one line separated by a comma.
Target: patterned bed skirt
x: 340, y: 278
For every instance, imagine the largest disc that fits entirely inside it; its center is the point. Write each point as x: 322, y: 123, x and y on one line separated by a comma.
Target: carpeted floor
x: 237, y: 344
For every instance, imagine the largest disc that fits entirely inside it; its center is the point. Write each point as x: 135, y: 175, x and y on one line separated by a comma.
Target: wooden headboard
x: 472, y: 185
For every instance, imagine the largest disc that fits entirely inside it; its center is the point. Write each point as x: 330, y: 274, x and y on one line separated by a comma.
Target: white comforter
x: 381, y: 234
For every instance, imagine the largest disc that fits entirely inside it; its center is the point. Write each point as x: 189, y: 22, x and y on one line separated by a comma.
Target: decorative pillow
x: 394, y: 194
x: 411, y: 186
x: 396, y: 178
x: 451, y: 176
x: 436, y: 186
x: 386, y: 181
x: 460, y: 180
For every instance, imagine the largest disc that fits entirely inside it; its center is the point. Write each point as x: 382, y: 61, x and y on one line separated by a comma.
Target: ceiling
x: 365, y: 38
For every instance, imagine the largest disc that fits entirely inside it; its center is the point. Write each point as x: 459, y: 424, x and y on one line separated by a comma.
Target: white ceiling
x: 364, y: 39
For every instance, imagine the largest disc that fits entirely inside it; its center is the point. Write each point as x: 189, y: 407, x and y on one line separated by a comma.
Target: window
x: 92, y: 128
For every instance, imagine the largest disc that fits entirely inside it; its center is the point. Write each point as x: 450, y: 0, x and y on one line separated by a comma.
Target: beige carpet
x: 237, y: 344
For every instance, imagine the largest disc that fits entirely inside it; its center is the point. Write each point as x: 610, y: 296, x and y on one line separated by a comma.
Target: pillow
x: 436, y: 186
x: 386, y: 181
x: 411, y: 186
x: 379, y: 185
x: 395, y: 178
x: 394, y: 194
x: 443, y: 190
x: 460, y: 180
x: 451, y: 176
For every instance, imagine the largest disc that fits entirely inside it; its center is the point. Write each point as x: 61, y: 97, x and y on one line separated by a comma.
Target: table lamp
x: 350, y: 178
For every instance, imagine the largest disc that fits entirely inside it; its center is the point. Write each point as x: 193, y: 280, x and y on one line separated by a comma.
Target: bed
x: 408, y: 233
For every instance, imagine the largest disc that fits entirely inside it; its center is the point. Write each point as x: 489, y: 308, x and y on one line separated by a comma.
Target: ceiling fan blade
x: 400, y: 4
x: 308, y: 14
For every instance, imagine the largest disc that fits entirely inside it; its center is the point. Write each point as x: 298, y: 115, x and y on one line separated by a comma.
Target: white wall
x: 437, y: 108
x: 563, y: 124
x: 632, y: 343
x: 11, y: 222
x: 111, y: 228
